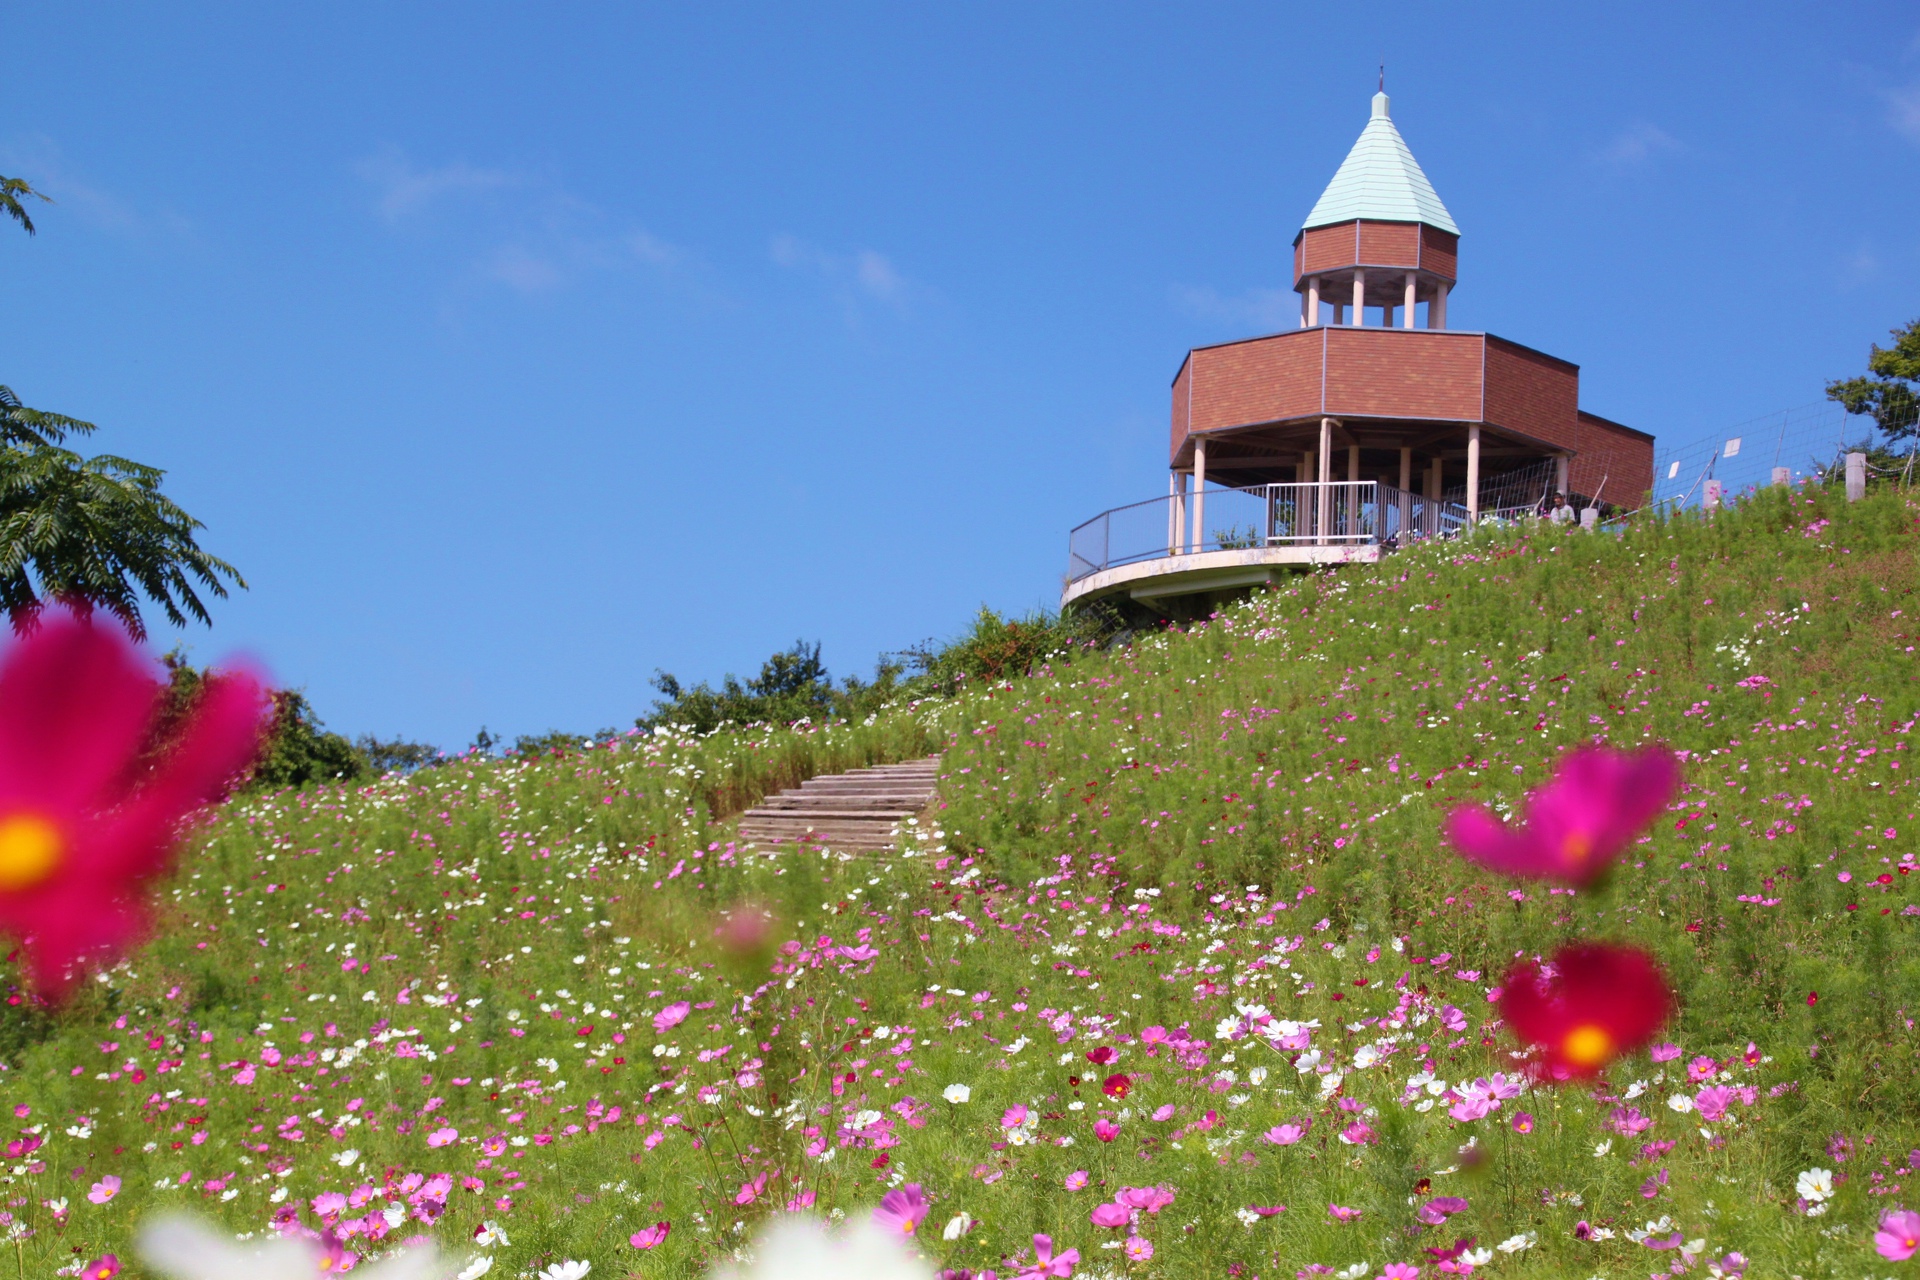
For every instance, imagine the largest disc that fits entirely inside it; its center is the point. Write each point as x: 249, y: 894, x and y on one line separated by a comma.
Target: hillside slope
x: 494, y: 992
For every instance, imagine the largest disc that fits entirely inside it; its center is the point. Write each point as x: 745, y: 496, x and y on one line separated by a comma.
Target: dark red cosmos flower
x: 1101, y: 1056
x: 1598, y: 801
x: 82, y: 827
x: 1117, y: 1085
x: 1602, y: 1001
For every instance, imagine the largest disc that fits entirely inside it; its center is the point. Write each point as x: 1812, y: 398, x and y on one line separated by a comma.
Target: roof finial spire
x: 1383, y: 75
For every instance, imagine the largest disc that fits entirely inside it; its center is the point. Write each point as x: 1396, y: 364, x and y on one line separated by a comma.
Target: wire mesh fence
x: 1809, y: 441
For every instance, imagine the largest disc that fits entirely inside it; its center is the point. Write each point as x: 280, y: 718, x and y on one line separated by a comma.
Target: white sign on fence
x: 1732, y: 449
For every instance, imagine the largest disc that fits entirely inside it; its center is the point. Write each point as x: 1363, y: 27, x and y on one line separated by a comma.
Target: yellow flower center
x: 1578, y: 847
x: 1587, y: 1046
x: 30, y: 849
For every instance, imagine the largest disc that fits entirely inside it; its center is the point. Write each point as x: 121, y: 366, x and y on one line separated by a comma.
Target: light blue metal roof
x: 1381, y: 180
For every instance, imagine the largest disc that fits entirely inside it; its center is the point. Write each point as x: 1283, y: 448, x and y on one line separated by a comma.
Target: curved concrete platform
x: 1212, y: 571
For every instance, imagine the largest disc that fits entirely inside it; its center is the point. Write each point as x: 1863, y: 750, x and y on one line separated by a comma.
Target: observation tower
x: 1369, y: 426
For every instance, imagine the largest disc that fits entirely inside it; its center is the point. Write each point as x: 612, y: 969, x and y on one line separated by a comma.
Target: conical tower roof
x: 1381, y: 181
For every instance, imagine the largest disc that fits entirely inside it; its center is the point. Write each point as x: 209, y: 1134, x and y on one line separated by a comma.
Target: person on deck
x: 1560, y: 512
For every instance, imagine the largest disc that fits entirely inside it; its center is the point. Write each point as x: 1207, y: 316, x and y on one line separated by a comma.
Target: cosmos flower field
x: 1180, y: 974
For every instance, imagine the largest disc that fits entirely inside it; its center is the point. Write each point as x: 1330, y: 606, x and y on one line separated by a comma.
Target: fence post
x: 1710, y: 496
x: 1782, y: 476
x: 1856, y: 476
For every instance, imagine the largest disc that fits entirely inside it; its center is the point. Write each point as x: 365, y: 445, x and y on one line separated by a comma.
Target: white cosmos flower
x: 1354, y: 1272
x: 572, y: 1269
x: 1477, y: 1257
x: 347, y: 1159
x: 1517, y: 1244
x: 959, y: 1225
x: 184, y: 1249
x: 956, y: 1093
x: 477, y: 1268
x: 1601, y: 1148
x: 1680, y: 1102
x: 1815, y: 1184
x: 796, y: 1247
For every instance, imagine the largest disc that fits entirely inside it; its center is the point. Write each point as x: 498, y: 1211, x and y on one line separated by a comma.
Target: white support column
x: 1473, y: 474
x: 1313, y: 301
x: 1782, y: 476
x: 1406, y: 486
x: 1303, y: 309
x: 1199, y: 494
x: 1359, y: 297
x: 1407, y: 321
x: 1437, y: 309
x: 1856, y: 476
x: 1560, y: 473
x: 1322, y: 505
x: 1173, y: 512
x: 1177, y: 534
x: 1435, y: 487
x: 1303, y: 470
x: 1351, y: 501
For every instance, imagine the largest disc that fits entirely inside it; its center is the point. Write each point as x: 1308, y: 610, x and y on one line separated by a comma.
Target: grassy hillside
x: 494, y: 992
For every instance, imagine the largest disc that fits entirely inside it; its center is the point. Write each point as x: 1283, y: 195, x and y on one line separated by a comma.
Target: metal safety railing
x: 1338, y: 513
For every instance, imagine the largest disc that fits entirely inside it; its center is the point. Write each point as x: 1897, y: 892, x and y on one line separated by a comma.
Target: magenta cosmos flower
x: 85, y: 821
x: 648, y: 1237
x: 902, y: 1210
x: 1601, y: 1002
x: 1899, y: 1235
x: 1573, y: 827
x: 1048, y: 1263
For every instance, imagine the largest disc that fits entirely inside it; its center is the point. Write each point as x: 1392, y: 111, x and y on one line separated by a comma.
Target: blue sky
x: 513, y: 352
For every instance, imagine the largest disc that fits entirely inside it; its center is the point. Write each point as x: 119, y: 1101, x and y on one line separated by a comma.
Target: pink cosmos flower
x: 1664, y: 1052
x: 330, y: 1204
x: 83, y: 828
x: 1111, y: 1215
x: 1602, y: 1001
x: 441, y: 1137
x: 1598, y: 801
x: 1713, y: 1101
x: 1154, y: 1035
x: 1046, y: 1262
x: 1104, y: 1131
x: 1285, y: 1135
x: 1341, y: 1213
x: 1139, y: 1248
x: 1077, y: 1179
x: 1163, y: 1112
x: 750, y: 1191
x: 1013, y: 1117
x: 1701, y: 1068
x: 1117, y: 1085
x: 1627, y: 1121
x: 1399, y: 1271
x: 648, y: 1237
x: 104, y: 1267
x: 1439, y: 1209
x: 104, y: 1190
x: 671, y: 1016
x: 1522, y: 1122
x: 901, y: 1211
x: 1899, y: 1235
x: 1152, y: 1199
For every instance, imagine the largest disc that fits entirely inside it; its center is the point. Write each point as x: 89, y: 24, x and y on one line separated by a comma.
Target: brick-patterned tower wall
x: 1617, y: 456
x: 1379, y: 245
x: 1532, y: 393
x: 1403, y: 373
x: 1182, y: 386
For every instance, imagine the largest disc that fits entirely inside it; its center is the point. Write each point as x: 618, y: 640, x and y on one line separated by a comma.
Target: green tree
x: 792, y: 685
x: 95, y: 532
x: 1889, y: 393
x: 11, y: 192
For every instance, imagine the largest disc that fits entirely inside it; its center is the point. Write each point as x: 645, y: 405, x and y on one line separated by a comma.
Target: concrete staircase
x: 859, y: 811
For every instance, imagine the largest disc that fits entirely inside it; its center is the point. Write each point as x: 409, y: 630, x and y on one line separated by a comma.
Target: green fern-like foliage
x: 93, y: 532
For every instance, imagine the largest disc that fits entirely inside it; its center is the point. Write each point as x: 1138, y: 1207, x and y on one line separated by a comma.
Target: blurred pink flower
x: 1341, y: 1213
x: 104, y: 1190
x: 84, y: 826
x: 671, y: 1016
x: 901, y: 1210
x: 1077, y: 1179
x: 1399, y: 1271
x: 1104, y: 1131
x: 1598, y: 801
x: 1139, y: 1248
x: 1899, y: 1235
x: 1713, y: 1101
x: 1163, y: 1112
x: 442, y: 1137
x: 1048, y: 1263
x: 1285, y: 1135
x: 1111, y: 1215
x: 104, y: 1267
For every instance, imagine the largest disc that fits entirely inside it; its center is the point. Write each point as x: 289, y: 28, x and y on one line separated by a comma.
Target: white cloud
x: 401, y: 188
x: 1258, y: 308
x: 540, y: 240
x: 1903, y: 110
x: 1637, y: 144
x: 864, y: 273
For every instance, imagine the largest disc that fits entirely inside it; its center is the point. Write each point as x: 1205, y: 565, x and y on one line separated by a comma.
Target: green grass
x: 1245, y: 813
